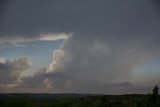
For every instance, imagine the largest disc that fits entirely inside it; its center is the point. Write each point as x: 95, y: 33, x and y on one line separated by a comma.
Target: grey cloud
x: 95, y: 66
x: 97, y: 63
x: 96, y: 59
x: 110, y: 37
x: 10, y: 70
x: 42, y: 79
x: 29, y: 18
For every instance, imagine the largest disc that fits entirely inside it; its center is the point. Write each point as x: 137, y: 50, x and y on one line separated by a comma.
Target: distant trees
x: 155, y: 92
x: 88, y: 100
x: 152, y: 99
x: 154, y: 95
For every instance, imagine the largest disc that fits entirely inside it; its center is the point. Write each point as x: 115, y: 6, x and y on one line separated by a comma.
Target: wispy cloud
x: 18, y: 41
x: 53, y: 37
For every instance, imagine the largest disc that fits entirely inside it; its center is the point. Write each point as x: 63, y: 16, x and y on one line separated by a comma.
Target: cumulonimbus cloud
x: 108, y: 42
x: 79, y: 65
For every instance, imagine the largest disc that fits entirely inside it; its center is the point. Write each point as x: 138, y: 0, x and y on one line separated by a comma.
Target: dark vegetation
x: 80, y: 100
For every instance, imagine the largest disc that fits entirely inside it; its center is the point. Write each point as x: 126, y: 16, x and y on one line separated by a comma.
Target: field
x: 77, y: 100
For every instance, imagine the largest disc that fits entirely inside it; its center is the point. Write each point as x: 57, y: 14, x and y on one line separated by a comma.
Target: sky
x: 79, y: 46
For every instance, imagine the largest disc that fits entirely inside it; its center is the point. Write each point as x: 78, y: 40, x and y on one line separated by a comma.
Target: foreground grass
x: 77, y: 100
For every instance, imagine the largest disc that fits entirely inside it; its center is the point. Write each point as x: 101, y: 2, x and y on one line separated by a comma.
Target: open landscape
x: 79, y: 100
x: 75, y: 100
x: 79, y: 53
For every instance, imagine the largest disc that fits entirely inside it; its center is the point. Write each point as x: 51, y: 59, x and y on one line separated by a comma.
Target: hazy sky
x: 84, y: 46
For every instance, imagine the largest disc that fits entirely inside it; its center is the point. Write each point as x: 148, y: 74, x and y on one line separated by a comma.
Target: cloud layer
x: 97, y: 67
x: 107, y: 40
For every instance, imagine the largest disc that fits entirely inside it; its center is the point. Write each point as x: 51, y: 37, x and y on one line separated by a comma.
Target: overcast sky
x: 81, y: 46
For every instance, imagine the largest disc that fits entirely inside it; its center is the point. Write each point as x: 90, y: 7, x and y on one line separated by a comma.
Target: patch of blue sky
x: 41, y: 52
x: 148, y: 70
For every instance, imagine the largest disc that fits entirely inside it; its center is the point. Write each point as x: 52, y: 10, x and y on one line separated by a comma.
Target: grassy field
x: 77, y: 100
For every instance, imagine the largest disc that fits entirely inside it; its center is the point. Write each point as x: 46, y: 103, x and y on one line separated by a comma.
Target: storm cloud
x: 103, y: 41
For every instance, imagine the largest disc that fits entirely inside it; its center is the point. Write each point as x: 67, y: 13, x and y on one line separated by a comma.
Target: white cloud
x: 17, y: 41
x: 53, y: 37
x: 57, y: 64
x: 2, y: 60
